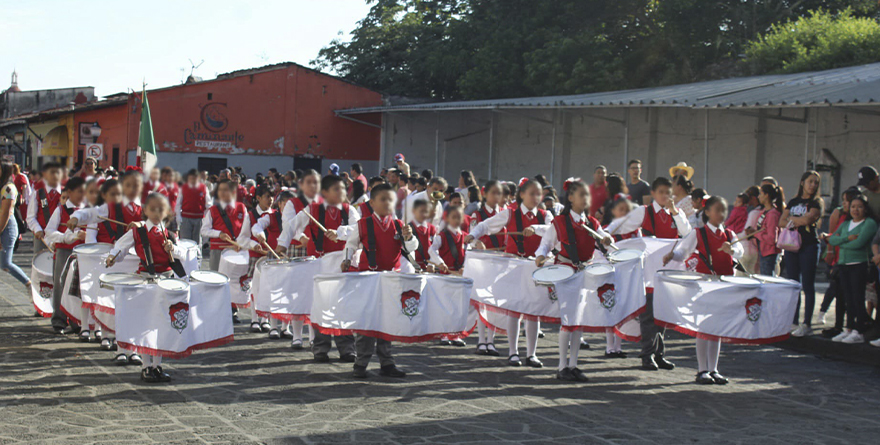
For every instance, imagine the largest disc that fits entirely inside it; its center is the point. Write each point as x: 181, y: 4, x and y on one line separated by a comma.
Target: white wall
x: 742, y: 147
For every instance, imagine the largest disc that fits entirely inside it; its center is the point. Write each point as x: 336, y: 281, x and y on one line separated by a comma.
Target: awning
x: 56, y: 142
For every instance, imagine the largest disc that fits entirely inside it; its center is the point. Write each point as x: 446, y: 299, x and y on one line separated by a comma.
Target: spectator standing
x: 8, y: 226
x: 598, y: 190
x: 639, y: 189
x: 869, y: 184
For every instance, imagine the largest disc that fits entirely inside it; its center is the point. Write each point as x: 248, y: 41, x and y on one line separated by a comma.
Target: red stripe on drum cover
x: 284, y: 317
x: 489, y: 325
x: 176, y: 355
x: 627, y: 337
x: 42, y: 314
x: 241, y: 305
x: 104, y: 309
x: 731, y: 340
x: 384, y: 336
x: 75, y: 318
x: 529, y: 317
x: 629, y: 317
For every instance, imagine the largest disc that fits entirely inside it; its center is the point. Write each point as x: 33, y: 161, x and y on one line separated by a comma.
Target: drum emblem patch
x: 607, y: 296
x: 45, y: 290
x: 753, y: 309
x: 409, y: 302
x: 179, y: 313
x: 245, y: 282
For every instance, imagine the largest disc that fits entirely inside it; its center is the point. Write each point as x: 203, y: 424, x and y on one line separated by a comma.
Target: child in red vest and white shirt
x: 424, y: 231
x: 226, y: 224
x: 157, y: 250
x: 192, y: 201
x: 63, y: 241
x: 711, y: 249
x: 381, y: 252
x: 576, y: 246
x: 268, y: 230
x: 447, y: 252
x: 307, y: 194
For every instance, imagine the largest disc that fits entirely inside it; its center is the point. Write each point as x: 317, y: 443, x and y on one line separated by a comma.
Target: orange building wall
x: 114, y: 131
x: 285, y: 111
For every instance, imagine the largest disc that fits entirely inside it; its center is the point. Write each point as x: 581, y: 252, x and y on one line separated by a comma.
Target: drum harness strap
x: 226, y: 221
x: 322, y: 216
x: 571, y: 247
x: 453, y: 249
x: 421, y: 245
x: 653, y: 231
x: 484, y: 215
x: 44, y: 203
x: 371, y: 240
x: 115, y: 230
x: 149, y: 265
x: 519, y: 239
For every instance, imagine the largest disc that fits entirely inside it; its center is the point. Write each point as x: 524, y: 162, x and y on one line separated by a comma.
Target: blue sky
x: 114, y: 45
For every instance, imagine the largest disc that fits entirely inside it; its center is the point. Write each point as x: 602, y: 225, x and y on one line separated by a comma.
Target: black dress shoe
x: 135, y: 359
x: 235, y: 319
x: 255, y: 327
x: 662, y: 363
x: 490, y: 350
x: 514, y: 360
x: 584, y: 344
x: 322, y: 358
x: 147, y: 375
x: 265, y: 327
x: 540, y: 333
x: 360, y: 372
x: 648, y: 363
x: 161, y: 375
x: 58, y: 330
x: 534, y: 362
x: 71, y: 330
x: 481, y: 349
x: 121, y: 360
x: 579, y: 375
x: 347, y: 358
x: 718, y: 378
x: 565, y: 375
x: 704, y: 378
x: 391, y: 371
x: 444, y: 342
x: 458, y: 342
x: 85, y: 336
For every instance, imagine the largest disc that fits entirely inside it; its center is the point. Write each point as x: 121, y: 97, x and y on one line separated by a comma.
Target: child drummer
x: 663, y: 220
x: 380, y: 235
x: 333, y: 213
x: 308, y: 193
x: 157, y: 252
x: 576, y: 245
x: 63, y: 241
x: 424, y: 231
x: 447, y: 252
x: 711, y: 249
x: 262, y: 213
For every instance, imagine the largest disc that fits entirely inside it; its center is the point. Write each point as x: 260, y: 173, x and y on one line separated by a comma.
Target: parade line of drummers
x: 404, y: 216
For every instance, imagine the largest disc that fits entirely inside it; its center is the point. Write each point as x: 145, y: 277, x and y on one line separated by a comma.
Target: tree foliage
x: 473, y: 49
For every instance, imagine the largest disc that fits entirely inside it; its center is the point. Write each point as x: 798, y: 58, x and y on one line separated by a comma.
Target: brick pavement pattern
x: 59, y: 391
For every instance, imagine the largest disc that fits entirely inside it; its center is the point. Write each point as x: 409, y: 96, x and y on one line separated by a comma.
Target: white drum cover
x: 284, y: 289
x: 41, y: 282
x: 654, y: 249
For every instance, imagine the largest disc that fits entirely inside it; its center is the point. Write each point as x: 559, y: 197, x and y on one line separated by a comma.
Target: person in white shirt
x: 50, y: 184
x: 437, y: 184
x: 215, y: 228
x: 63, y: 241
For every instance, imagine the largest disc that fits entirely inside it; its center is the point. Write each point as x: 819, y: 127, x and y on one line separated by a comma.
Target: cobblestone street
x: 57, y: 390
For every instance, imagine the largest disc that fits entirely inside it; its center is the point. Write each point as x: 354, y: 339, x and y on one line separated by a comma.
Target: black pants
x: 323, y: 343
x: 853, y: 279
x: 652, y: 335
x: 834, y: 294
x: 367, y: 346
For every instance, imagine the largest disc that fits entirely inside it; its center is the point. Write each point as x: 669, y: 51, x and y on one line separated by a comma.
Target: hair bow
x: 568, y: 182
x: 523, y: 181
x: 134, y: 168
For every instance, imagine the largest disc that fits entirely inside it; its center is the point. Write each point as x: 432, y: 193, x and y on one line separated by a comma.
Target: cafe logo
x: 214, y: 117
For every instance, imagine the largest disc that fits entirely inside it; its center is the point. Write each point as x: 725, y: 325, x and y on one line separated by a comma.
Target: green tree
x: 819, y: 41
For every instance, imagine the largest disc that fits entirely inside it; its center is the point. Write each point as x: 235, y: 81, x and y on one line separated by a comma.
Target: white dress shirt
x: 302, y: 220
x: 34, y: 206
x: 410, y: 200
x: 244, y: 237
x: 121, y: 248
x: 688, y: 244
x: 634, y: 219
x: 550, y: 240
x: 494, y: 224
x: 53, y: 236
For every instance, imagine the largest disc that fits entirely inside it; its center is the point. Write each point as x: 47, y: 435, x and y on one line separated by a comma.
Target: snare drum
x: 740, y: 281
x: 113, y: 280
x: 683, y: 275
x: 192, y: 255
x: 550, y: 275
x: 42, y: 284
x: 599, y: 269
x: 173, y: 284
x: 624, y: 255
x: 92, y: 249
x: 209, y: 277
x: 775, y: 280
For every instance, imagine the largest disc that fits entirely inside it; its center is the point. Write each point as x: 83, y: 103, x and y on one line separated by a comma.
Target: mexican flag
x: 146, y: 150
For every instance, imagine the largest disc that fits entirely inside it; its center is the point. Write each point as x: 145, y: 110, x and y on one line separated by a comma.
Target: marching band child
x: 156, y: 250
x: 364, y: 205
x: 711, y: 249
x: 307, y: 194
x: 457, y: 200
x: 424, y: 231
x: 493, y: 198
x: 334, y: 214
x: 576, y: 245
x: 153, y: 184
x: 447, y: 253
x: 527, y: 221
x: 64, y: 241
x: 267, y: 230
x: 225, y: 225
x: 172, y: 191
x: 661, y: 219
x: 381, y: 236
x: 619, y: 209
x: 192, y: 201
x: 262, y: 210
x: 44, y: 199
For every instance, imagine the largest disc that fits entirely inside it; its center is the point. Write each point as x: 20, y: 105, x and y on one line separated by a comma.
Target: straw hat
x: 688, y: 171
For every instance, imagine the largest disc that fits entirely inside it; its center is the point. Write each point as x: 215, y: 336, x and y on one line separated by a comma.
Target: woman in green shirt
x: 854, y: 240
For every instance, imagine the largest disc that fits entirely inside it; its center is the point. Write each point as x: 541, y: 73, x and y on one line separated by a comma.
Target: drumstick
x: 113, y: 221
x: 251, y: 249
x: 598, y: 237
x: 270, y: 250
x: 745, y: 237
x: 323, y: 229
x: 454, y: 272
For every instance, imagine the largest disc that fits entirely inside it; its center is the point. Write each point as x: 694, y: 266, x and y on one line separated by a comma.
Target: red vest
x: 192, y: 205
x: 241, y: 194
x: 386, y: 248
x: 236, y: 215
x: 161, y: 258
x: 151, y: 187
x: 47, y: 207
x: 497, y: 240
x: 530, y: 244
x: 331, y: 220
x: 452, y: 243
x: 299, y: 203
x: 271, y: 233
x: 659, y: 224
x: 425, y: 234
x: 172, y: 193
x: 365, y: 210
x: 109, y: 232
x: 583, y: 243
x: 722, y: 263
x: 634, y: 234
x: 65, y: 216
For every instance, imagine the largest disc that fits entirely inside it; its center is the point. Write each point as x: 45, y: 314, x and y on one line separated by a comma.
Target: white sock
x: 254, y: 317
x: 148, y: 361
x: 713, y: 349
x: 531, y: 337
x: 490, y: 335
x: 481, y: 332
x: 513, y: 335
x: 273, y: 323
x: 85, y: 318
x: 574, y: 348
x: 564, y: 344
x: 702, y: 355
x: 296, y: 328
x: 157, y: 361
x: 609, y: 340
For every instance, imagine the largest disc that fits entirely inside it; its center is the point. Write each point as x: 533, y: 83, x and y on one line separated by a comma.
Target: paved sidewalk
x: 56, y: 390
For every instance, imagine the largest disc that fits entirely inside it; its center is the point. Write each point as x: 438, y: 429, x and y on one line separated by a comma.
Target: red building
x: 278, y: 116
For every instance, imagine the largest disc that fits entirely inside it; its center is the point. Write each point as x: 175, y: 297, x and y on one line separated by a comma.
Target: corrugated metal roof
x: 856, y: 85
